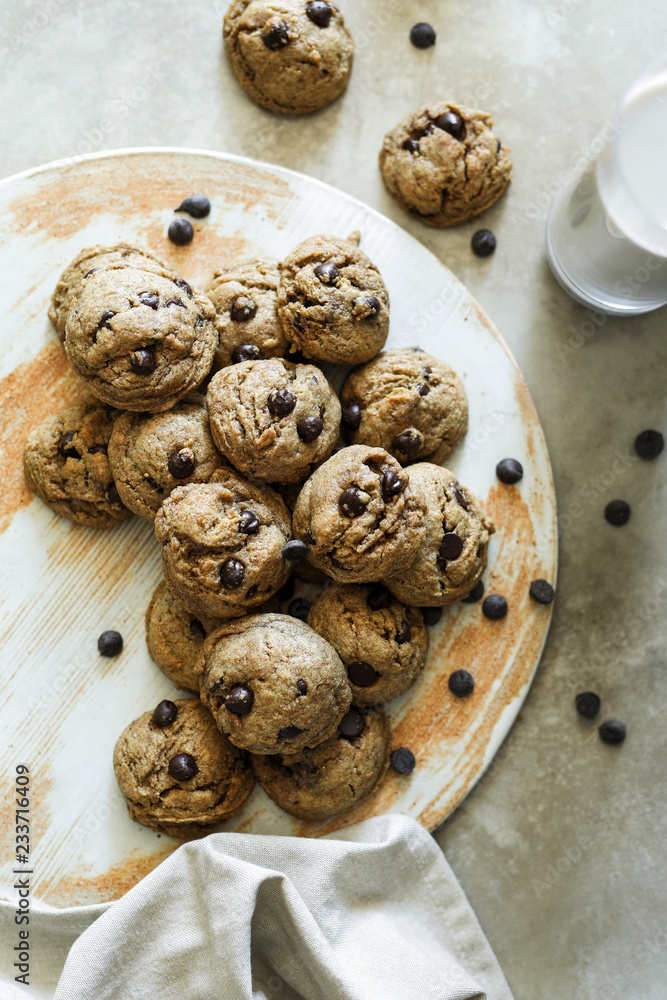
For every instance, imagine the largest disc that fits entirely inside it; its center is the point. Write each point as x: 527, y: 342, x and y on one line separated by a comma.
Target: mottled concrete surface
x: 563, y: 846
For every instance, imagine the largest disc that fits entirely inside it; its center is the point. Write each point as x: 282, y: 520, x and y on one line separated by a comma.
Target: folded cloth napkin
x: 373, y: 912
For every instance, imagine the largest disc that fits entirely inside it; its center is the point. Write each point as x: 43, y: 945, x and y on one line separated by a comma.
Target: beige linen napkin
x: 372, y: 912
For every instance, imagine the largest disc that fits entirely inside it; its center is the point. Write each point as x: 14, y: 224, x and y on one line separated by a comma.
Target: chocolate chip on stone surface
x: 392, y: 485
x: 232, y: 574
x: 243, y: 309
x: 289, y: 733
x: 617, y: 512
x: 494, y: 607
x: 249, y: 523
x: 110, y: 643
x: 476, y: 594
x: 351, y: 724
x: 402, y: 760
x: 197, y: 629
x: 587, y: 704
x: 181, y: 463
x: 362, y: 674
x: 300, y: 608
x: 246, y: 352
x: 281, y: 403
x: 452, y: 123
x: 352, y: 502
x: 143, y: 361
x: 320, y: 12
x: 408, y: 443
x: 451, y: 545
x: 649, y: 444
x: 461, y: 683
x: 65, y: 446
x: 196, y: 205
x: 310, y: 428
x: 542, y: 591
x: 276, y: 37
x: 180, y: 232
x: 240, y: 700
x: 422, y: 35
x: 612, y: 731
x: 295, y: 551
x: 183, y: 766
x: 164, y: 714
x: 302, y: 688
x: 483, y: 243
x: 327, y: 272
x: 378, y: 598
x: 509, y: 471
x: 351, y: 414
x: 150, y: 299
x: 432, y: 615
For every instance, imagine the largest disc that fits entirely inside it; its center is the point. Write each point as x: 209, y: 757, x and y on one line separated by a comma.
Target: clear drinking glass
x: 607, y: 229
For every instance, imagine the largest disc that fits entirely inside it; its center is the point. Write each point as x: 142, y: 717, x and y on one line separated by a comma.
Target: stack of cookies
x: 211, y: 417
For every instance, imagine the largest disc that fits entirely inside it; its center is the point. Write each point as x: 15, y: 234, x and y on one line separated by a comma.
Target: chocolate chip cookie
x: 444, y: 165
x: 382, y: 643
x: 291, y: 56
x: 140, y: 340
x: 359, y: 516
x: 222, y: 544
x: 453, y: 553
x: 332, y: 302
x: 408, y: 403
x: 178, y: 773
x: 272, y: 419
x: 66, y: 465
x: 245, y: 299
x: 152, y: 453
x: 89, y: 260
x: 273, y: 684
x: 333, y: 777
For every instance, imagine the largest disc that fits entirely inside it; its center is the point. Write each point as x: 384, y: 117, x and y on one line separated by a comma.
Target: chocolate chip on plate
x: 452, y: 123
x: 649, y: 444
x: 408, y: 443
x: 542, y: 591
x: 243, y: 309
x: 299, y: 608
x: 483, y: 243
x: 197, y: 629
x: 110, y: 643
x: 289, y: 733
x: 402, y: 760
x: 361, y: 673
x: 150, y: 299
x: 351, y: 414
x: 587, y: 704
x: 352, y: 502
x: 246, y: 352
x: 180, y: 232
x: 392, y: 485
x: 509, y: 471
x: 494, y: 607
x: 617, y: 512
x: 281, y: 403
x: 309, y: 429
x: 411, y: 145
x: 351, y: 724
x: 181, y: 463
x: 612, y: 731
x: 276, y: 37
x: 432, y: 615
x: 461, y: 683
x: 295, y: 551
x: 143, y: 361
x: 475, y: 594
x: 164, y: 713
x: 302, y: 688
x: 66, y: 448
x: 327, y: 272
x: 240, y: 700
x: 249, y: 523
x: 183, y: 766
x: 320, y: 12
x: 422, y: 35
x: 232, y: 574
x: 378, y: 598
x: 451, y: 545
x: 196, y: 205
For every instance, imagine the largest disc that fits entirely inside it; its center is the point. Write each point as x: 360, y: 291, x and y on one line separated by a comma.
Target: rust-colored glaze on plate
x: 60, y: 585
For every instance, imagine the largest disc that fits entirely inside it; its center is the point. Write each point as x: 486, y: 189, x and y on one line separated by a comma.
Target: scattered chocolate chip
x: 587, y: 704
x: 196, y: 205
x: 509, y: 471
x: 392, y: 485
x: 183, y: 766
x: 289, y: 733
x: 246, y: 352
x: 302, y: 687
x: 104, y: 323
x: 286, y: 592
x: 97, y: 449
x: 281, y: 403
x: 182, y: 283
x: 408, y: 443
x: 351, y: 502
x: 461, y: 499
x: 243, y: 309
x: 299, y: 608
x: 276, y: 37
x: 483, y: 243
x: 351, y: 414
x: 181, y: 463
x: 402, y: 760
x: 180, y: 232
x: 327, y: 272
x: 494, y: 607
x: 404, y: 633
x: 310, y: 428
x: 249, y: 523
x: 295, y: 551
x: 351, y: 724
x: 461, y: 683
x: 110, y: 643
x: 319, y: 12
x: 197, y: 629
x: 649, y: 444
x: 150, y: 299
x: 113, y: 496
x: 143, y: 361
x: 612, y: 731
x: 432, y: 615
x: 164, y: 714
x: 422, y: 35
x: 476, y: 594
x: 232, y: 574
x: 542, y: 592
x: 240, y: 700
x: 373, y: 303
x: 617, y: 512
x: 65, y: 446
x: 452, y: 123
x: 175, y: 302
x: 362, y: 674
x: 411, y: 145
x: 378, y: 598
x: 423, y: 390
x: 451, y: 545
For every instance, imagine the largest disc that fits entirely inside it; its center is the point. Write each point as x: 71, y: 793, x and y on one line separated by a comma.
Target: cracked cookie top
x: 359, y: 516
x: 444, y: 165
x: 141, y: 340
x: 272, y: 419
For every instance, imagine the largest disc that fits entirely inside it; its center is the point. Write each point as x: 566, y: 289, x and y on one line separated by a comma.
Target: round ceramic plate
x: 63, y: 705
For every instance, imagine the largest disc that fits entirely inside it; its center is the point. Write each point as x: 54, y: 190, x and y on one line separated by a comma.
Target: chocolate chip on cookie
x: 232, y: 574
x: 183, y: 767
x: 240, y: 700
x: 281, y: 403
x: 164, y: 714
x: 352, y: 724
x: 360, y: 673
x: 320, y: 12
x: 295, y: 551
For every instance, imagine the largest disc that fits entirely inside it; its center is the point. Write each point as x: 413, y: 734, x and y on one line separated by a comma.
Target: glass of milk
x: 607, y: 229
